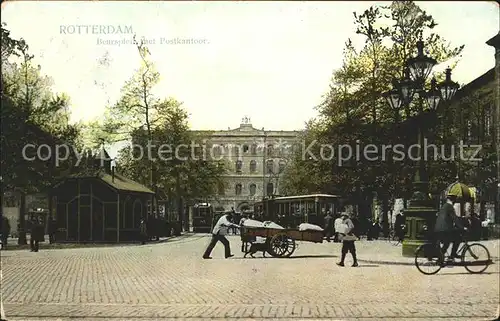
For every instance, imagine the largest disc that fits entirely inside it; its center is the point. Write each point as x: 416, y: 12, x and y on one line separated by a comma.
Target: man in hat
x: 221, y: 229
x: 348, y: 239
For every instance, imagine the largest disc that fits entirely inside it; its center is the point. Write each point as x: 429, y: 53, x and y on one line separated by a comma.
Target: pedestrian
x: 5, y: 231
x: 37, y: 235
x: 399, y: 226
x: 221, y: 229
x: 337, y: 223
x: 143, y: 232
x: 348, y: 238
x: 52, y: 231
x: 328, y: 226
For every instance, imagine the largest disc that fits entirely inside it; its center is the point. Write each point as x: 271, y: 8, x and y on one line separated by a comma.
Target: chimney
x: 113, y: 174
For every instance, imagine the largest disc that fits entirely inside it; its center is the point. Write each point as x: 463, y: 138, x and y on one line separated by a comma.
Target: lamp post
x: 412, y: 89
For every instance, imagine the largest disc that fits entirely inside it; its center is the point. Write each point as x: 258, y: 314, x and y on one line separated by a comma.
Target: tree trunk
x: 385, y: 216
x: 178, y: 196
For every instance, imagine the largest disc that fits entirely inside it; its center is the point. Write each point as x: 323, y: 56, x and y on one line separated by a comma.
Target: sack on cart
x: 269, y: 224
x: 253, y: 223
x: 310, y: 227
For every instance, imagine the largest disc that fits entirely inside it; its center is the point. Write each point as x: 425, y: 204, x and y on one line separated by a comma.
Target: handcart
x: 281, y: 243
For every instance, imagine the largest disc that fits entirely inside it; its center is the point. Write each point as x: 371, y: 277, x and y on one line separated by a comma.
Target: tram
x: 202, y: 217
x: 291, y: 211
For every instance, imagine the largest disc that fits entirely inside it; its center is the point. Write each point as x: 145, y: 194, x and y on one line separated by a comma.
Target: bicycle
x: 433, y: 257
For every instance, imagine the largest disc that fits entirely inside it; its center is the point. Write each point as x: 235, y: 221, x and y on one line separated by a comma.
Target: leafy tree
x: 184, y: 170
x: 353, y: 111
x: 31, y: 115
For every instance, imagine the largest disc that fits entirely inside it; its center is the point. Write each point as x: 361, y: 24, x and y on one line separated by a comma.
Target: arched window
x: 238, y: 189
x: 270, y: 189
x: 253, y: 189
x: 270, y: 149
x: 216, y: 150
x: 282, y: 165
x: 239, y: 164
x: 269, y: 166
x: 245, y: 148
x: 253, y: 149
x: 253, y: 166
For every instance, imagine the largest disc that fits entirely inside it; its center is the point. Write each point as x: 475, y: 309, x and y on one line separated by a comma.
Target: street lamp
x: 411, y: 88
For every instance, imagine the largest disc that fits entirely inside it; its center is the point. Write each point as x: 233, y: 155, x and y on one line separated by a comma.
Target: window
x: 216, y: 150
x: 270, y: 189
x: 238, y: 189
x: 282, y: 165
x: 270, y: 149
x: 253, y: 189
x: 239, y: 164
x: 221, y: 189
x: 245, y: 148
x: 253, y: 166
x: 236, y: 149
x: 270, y: 166
x: 253, y: 150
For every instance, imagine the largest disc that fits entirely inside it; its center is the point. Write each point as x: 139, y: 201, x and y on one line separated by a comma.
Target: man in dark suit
x: 328, y: 226
x: 448, y: 227
x: 37, y: 234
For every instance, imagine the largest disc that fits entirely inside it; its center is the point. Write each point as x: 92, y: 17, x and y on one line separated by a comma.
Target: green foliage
x: 176, y: 155
x: 354, y: 112
x: 31, y: 114
x: 159, y: 128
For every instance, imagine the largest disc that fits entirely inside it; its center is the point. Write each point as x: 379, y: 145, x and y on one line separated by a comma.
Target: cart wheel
x: 281, y: 245
x: 476, y: 258
x: 428, y: 259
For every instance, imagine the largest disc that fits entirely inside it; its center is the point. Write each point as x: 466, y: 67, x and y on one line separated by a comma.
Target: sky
x: 269, y: 61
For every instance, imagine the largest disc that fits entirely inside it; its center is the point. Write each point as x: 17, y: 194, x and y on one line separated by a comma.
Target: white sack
x: 269, y: 224
x: 309, y: 227
x: 253, y: 223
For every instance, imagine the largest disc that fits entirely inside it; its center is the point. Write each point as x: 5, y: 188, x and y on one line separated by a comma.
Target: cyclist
x: 448, y: 227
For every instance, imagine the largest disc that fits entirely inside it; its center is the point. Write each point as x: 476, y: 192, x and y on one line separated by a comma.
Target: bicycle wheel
x: 428, y: 259
x: 476, y: 258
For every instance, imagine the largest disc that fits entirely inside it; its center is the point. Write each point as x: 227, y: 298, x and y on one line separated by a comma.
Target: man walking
x: 328, y: 226
x: 221, y: 229
x: 338, y: 222
x: 348, y: 238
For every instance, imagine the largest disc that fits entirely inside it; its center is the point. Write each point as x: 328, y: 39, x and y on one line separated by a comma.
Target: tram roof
x: 303, y: 197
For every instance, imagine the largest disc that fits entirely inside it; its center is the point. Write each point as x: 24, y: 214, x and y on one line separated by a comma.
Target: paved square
x: 170, y: 280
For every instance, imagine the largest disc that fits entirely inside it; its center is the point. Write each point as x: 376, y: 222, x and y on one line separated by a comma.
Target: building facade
x: 256, y: 160
x: 495, y: 43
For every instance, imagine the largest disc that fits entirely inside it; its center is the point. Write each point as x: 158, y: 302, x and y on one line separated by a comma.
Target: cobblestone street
x: 170, y: 280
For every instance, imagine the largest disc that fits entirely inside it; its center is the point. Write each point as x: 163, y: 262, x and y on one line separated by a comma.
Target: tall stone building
x: 256, y: 159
